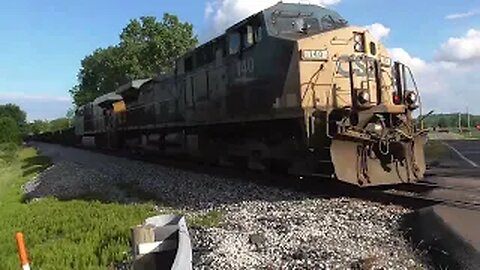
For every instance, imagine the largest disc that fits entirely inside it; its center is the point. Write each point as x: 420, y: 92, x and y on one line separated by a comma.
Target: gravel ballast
x: 262, y: 227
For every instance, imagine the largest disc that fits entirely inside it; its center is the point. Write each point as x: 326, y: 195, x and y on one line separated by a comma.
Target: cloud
x: 463, y: 15
x: 221, y: 14
x: 378, y: 30
x: 38, y: 106
x: 415, y: 63
x: 461, y: 49
x: 449, y: 82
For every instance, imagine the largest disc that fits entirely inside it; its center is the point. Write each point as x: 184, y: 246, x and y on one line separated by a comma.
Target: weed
x: 211, y: 219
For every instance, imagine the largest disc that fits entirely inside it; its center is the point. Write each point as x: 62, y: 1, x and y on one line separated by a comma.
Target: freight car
x: 292, y: 88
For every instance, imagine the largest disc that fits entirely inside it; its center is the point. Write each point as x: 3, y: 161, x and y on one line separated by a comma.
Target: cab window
x: 234, y: 43
x: 258, y: 34
x: 245, y: 37
x: 248, y: 39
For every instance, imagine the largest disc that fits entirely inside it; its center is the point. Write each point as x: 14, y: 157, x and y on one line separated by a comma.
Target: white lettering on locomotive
x: 245, y: 67
x: 359, y: 66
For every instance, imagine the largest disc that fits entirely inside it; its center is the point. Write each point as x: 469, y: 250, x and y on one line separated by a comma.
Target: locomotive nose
x: 348, y: 75
x: 356, y: 60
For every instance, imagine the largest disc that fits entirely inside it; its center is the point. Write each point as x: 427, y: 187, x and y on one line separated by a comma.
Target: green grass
x: 61, y: 234
x: 435, y: 150
x: 76, y: 234
x: 474, y: 134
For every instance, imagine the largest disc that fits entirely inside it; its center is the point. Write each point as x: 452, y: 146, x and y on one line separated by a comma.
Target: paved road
x: 452, y: 229
x: 468, y: 151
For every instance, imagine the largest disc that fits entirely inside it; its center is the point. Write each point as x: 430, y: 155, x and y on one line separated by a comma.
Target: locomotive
x: 293, y: 88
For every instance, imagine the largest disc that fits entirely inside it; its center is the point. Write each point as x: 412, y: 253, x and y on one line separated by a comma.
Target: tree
x: 39, y: 126
x: 59, y: 124
x: 14, y: 112
x: 147, y: 47
x: 10, y: 131
x: 156, y: 45
x: 442, y: 122
x: 42, y: 126
x: 101, y: 72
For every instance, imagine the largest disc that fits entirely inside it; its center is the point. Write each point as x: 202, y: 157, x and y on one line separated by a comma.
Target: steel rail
x: 452, y: 187
x: 472, y: 205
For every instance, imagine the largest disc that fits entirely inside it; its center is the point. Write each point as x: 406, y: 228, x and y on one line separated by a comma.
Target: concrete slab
x: 463, y: 222
x: 450, y: 235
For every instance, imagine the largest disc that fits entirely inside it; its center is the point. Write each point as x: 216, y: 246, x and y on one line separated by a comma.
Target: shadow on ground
x: 431, y: 236
x: 35, y: 164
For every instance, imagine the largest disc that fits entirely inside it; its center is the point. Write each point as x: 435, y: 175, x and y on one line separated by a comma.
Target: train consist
x: 293, y: 88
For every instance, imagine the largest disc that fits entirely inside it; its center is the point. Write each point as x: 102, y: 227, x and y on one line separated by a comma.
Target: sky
x: 43, y: 42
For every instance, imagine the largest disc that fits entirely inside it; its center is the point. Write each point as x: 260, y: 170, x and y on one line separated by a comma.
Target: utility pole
x: 460, y: 121
x: 468, y: 122
x: 468, y: 119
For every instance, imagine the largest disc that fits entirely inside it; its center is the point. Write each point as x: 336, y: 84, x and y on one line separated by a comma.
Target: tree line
x: 14, y: 125
x: 450, y: 120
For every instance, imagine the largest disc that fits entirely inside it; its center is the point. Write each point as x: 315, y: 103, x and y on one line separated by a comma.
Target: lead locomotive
x: 292, y: 88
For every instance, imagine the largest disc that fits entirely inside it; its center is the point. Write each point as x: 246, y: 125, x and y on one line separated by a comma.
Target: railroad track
x: 473, y: 205
x: 423, y: 191
x: 429, y: 184
x: 408, y: 195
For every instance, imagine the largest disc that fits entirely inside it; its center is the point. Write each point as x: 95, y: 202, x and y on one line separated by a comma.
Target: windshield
x: 306, y: 23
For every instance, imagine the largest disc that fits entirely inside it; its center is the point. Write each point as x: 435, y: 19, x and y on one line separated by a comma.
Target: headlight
x: 363, y: 97
x: 376, y: 128
x: 358, y: 47
x: 411, y: 98
x: 314, y: 55
x: 359, y: 39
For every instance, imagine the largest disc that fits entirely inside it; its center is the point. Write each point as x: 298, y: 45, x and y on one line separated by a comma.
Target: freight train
x: 293, y: 88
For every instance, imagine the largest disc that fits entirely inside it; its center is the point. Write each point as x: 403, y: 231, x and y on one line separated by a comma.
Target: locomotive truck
x: 293, y: 88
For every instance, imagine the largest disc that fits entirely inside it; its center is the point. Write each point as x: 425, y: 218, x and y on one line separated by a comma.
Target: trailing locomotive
x: 292, y: 88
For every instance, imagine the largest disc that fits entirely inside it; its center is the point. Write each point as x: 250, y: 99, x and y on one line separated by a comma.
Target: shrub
x: 9, y: 131
x: 8, y: 152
